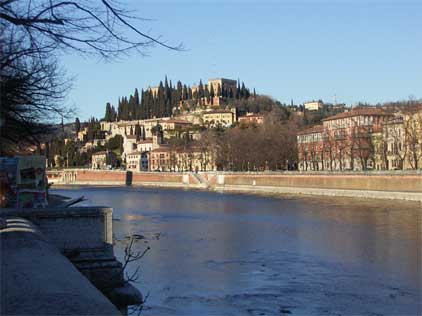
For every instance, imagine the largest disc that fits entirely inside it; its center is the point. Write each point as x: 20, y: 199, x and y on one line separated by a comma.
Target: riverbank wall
x: 396, y: 186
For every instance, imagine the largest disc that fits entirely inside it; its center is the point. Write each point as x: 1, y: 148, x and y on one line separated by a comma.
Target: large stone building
x: 311, y: 148
x: 222, y: 83
x: 217, y: 85
x: 346, y: 141
x: 126, y: 128
x: 400, y: 146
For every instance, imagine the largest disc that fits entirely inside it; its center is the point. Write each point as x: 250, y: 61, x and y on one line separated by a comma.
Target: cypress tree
x: 138, y: 132
x: 207, y: 94
x: 179, y: 91
x: 131, y: 108
x: 212, y: 94
x: 247, y: 93
x: 200, y: 90
x: 185, y: 95
x: 107, y: 115
x: 160, y: 101
x: 119, y: 110
x: 242, y: 91
x: 113, y: 113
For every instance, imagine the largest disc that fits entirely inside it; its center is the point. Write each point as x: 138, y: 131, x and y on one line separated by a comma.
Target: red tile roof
x: 162, y: 148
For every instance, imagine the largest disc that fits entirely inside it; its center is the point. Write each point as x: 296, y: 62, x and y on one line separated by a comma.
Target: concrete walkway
x: 36, y: 279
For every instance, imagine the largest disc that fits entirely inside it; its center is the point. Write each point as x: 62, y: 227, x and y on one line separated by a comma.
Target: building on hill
x: 83, y: 134
x: 145, y: 145
x: 314, y: 105
x: 252, y: 118
x: 218, y: 86
x: 222, y: 83
x: 145, y: 127
x: 129, y: 145
x: 154, y: 90
x: 345, y: 141
x: 104, y: 160
x: 133, y: 143
x: 214, y: 118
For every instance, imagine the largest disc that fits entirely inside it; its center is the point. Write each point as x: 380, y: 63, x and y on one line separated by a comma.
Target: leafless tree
x: 132, y: 256
x: 103, y: 28
x: 271, y: 145
x: 413, y: 136
x: 33, y: 34
x: 32, y: 89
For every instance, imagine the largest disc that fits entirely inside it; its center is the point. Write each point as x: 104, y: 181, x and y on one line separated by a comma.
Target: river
x: 233, y: 254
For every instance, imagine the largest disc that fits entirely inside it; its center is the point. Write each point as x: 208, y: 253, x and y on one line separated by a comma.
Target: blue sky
x: 369, y: 51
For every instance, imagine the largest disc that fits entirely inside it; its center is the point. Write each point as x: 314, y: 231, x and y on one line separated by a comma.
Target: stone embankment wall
x: 377, y: 186
x: 36, y: 279
x: 113, y: 177
x: 76, y: 245
x: 395, y: 183
x: 404, y: 186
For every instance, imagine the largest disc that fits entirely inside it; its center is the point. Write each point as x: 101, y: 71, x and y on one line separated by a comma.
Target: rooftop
x: 162, y: 148
x: 135, y: 153
x: 222, y: 79
x: 217, y: 111
x: 358, y: 112
x: 146, y: 141
x: 175, y: 121
x: 312, y: 130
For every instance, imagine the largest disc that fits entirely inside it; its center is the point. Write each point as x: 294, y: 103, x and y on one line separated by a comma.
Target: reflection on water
x: 215, y: 254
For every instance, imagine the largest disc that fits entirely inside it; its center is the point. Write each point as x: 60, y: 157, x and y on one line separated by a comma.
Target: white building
x: 314, y: 105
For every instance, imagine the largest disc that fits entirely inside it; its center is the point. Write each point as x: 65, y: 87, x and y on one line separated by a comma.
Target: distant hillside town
x: 222, y: 125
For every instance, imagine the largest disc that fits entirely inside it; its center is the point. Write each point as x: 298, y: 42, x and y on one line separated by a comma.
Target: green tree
x: 108, y: 114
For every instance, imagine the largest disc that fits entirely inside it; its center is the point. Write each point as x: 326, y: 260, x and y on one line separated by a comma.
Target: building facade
x: 346, y: 141
x: 314, y: 105
x: 191, y: 159
x: 104, y: 160
x: 224, y: 118
x: 252, y: 118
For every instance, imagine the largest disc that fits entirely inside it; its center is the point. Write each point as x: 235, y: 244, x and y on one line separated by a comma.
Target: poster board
x: 23, y: 182
x: 8, y: 181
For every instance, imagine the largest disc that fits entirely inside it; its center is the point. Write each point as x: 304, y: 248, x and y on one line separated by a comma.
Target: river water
x: 233, y: 254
